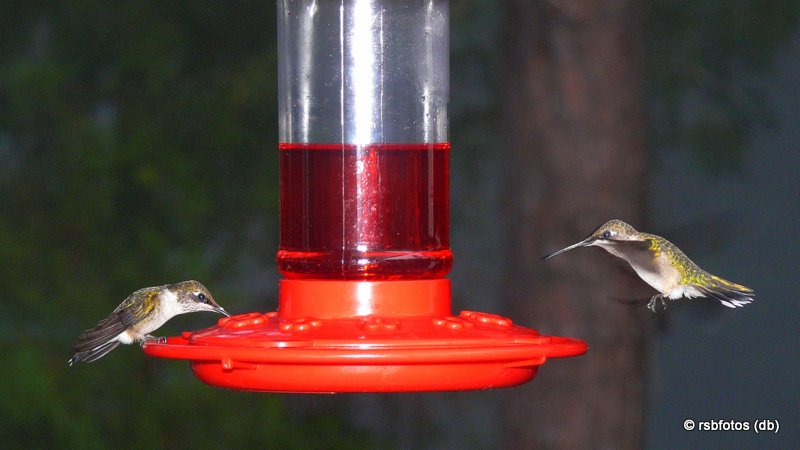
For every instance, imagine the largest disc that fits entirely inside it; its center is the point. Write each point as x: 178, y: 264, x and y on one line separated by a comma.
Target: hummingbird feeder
x: 364, y: 305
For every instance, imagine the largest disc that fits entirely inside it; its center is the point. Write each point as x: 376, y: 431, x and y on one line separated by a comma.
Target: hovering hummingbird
x: 141, y: 313
x: 663, y: 266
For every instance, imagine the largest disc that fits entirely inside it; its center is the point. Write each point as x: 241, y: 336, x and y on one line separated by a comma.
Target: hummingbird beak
x: 584, y: 243
x: 221, y: 311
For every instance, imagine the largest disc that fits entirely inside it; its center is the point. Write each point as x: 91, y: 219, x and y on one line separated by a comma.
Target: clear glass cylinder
x: 363, y: 88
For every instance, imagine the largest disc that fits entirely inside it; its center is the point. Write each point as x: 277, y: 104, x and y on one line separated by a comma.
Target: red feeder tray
x: 385, y: 336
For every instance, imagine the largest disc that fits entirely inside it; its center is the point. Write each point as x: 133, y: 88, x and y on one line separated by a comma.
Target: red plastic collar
x: 326, y: 299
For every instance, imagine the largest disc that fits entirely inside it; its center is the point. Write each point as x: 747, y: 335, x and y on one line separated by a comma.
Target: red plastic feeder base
x: 354, y: 336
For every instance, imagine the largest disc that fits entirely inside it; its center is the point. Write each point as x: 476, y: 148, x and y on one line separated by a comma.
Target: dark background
x: 139, y: 146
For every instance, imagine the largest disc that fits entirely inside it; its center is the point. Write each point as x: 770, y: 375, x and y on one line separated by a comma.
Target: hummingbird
x: 663, y: 266
x: 140, y: 314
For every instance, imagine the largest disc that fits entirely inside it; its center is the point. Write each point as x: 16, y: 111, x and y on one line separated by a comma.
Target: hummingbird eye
x: 606, y: 234
x: 202, y: 297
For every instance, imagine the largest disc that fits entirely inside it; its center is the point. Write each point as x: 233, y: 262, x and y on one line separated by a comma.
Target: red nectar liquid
x: 373, y: 212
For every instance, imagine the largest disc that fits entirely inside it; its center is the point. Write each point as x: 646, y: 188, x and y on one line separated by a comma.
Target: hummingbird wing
x: 641, y: 244
x: 636, y: 252
x: 135, y: 312
x: 96, y: 342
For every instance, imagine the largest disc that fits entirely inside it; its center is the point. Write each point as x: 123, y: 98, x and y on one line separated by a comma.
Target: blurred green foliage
x: 138, y: 147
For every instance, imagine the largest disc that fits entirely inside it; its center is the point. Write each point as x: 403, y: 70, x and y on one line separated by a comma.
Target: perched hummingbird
x: 663, y: 266
x: 141, y: 313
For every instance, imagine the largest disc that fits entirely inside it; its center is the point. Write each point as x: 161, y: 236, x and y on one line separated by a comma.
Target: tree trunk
x: 576, y: 159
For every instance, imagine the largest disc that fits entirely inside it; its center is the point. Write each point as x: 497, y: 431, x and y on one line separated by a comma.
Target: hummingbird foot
x: 653, y: 305
x: 150, y: 337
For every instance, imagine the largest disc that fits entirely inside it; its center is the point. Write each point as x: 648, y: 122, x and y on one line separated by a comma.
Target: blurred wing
x: 642, y: 245
x: 635, y: 252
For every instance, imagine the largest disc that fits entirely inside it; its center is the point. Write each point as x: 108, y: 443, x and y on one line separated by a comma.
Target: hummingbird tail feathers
x: 93, y: 354
x: 728, y: 293
x: 95, y: 343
